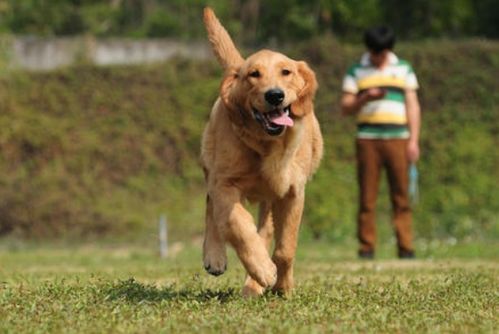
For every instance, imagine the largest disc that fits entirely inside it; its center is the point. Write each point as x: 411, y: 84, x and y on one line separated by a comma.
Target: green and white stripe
x: 377, y: 132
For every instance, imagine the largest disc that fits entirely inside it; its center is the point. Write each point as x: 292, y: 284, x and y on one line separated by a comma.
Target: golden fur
x: 245, y: 157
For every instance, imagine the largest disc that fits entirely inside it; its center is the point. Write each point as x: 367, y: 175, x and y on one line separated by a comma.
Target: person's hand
x: 374, y: 94
x: 413, y: 151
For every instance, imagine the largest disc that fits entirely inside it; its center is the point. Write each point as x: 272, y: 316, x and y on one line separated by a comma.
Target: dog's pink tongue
x: 283, y: 120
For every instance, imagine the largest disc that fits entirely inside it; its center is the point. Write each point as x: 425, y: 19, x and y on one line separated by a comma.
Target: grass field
x: 98, y: 288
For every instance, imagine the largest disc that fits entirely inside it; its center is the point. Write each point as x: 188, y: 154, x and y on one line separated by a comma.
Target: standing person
x: 381, y: 91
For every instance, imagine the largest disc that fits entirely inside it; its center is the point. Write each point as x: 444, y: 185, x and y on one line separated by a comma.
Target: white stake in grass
x: 163, y: 237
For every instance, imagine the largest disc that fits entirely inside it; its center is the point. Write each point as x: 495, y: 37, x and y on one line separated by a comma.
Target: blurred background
x: 102, y: 106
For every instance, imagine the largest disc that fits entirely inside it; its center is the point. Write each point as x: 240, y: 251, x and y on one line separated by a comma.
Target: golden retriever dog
x: 261, y: 144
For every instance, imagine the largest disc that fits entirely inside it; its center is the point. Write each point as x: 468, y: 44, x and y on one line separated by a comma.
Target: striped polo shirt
x: 385, y: 118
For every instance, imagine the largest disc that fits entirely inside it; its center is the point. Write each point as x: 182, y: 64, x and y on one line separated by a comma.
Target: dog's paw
x: 282, y: 290
x: 264, y: 272
x: 252, y: 288
x: 215, y: 263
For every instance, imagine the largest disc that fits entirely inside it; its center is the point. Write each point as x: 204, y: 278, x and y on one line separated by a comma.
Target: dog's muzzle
x: 275, y: 121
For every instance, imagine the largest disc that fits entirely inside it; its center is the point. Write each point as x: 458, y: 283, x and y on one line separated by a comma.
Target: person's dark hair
x: 379, y: 38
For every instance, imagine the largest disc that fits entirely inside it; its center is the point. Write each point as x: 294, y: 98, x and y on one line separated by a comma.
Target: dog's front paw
x: 215, y: 261
x: 252, y: 288
x: 264, y: 272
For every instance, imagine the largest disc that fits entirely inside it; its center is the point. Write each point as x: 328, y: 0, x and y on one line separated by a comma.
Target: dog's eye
x: 286, y: 72
x: 254, y: 74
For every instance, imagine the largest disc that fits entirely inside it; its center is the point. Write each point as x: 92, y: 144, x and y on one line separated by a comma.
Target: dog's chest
x: 277, y: 174
x: 276, y: 170
x: 266, y: 180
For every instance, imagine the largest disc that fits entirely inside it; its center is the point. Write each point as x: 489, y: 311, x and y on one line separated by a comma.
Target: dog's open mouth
x: 275, y: 121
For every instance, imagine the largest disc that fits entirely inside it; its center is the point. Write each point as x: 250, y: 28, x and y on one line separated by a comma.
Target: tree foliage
x: 253, y: 21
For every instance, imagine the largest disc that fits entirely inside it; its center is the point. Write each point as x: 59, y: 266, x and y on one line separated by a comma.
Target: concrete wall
x: 35, y: 53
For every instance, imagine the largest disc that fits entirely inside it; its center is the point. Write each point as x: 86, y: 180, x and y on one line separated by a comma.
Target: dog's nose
x: 274, y: 96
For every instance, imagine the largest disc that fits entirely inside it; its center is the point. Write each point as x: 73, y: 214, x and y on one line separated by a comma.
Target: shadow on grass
x: 134, y: 291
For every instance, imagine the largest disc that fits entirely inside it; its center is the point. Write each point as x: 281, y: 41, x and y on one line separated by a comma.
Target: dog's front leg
x: 287, y: 213
x: 214, y: 251
x: 237, y: 227
x: 266, y: 231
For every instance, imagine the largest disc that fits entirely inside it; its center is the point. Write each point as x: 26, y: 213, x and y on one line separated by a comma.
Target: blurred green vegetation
x: 88, y: 151
x: 263, y: 21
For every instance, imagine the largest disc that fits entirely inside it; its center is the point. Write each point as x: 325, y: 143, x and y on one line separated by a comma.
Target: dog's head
x: 270, y: 90
x: 266, y: 92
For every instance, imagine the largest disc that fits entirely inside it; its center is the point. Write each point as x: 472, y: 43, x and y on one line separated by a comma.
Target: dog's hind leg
x: 214, y: 250
x: 266, y: 231
x: 287, y: 213
x: 238, y: 228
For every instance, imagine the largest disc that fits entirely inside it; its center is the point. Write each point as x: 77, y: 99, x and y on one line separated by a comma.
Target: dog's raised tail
x: 222, y: 44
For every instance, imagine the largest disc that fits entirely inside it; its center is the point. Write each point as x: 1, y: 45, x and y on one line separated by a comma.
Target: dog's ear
x: 226, y: 88
x: 304, y: 104
x: 311, y: 85
x: 229, y: 94
x: 223, y: 46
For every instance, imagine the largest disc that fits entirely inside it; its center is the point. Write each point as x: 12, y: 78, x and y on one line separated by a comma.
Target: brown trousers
x: 373, y: 155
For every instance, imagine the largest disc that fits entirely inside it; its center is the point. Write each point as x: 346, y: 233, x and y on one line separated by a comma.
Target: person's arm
x: 352, y: 103
x: 414, y: 122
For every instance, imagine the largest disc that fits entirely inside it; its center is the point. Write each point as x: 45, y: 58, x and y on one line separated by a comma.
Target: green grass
x: 102, y: 289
